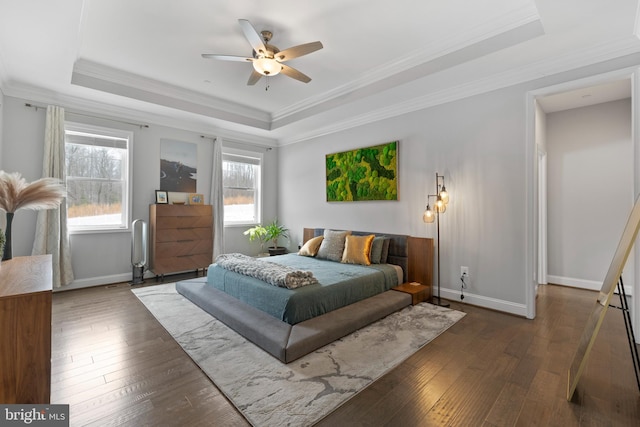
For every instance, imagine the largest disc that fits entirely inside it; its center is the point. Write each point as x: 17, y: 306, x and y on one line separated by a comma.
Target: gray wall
x: 478, y: 144
x: 590, y: 191
x: 100, y: 258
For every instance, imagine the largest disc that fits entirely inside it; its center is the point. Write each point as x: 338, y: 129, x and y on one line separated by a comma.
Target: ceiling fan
x: 267, y: 59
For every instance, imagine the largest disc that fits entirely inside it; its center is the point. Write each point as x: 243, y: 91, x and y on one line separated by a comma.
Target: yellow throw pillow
x: 357, y: 250
x: 311, y: 247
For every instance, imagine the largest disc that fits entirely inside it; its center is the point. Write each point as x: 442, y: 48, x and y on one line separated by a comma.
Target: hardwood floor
x: 115, y: 365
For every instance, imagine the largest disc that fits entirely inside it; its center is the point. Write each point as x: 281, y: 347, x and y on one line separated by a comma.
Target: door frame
x: 533, y: 249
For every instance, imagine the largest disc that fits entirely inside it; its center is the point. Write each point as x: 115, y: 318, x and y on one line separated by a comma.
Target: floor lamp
x: 439, y: 207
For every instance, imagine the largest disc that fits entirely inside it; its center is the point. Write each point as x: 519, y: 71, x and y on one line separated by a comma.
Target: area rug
x: 270, y: 393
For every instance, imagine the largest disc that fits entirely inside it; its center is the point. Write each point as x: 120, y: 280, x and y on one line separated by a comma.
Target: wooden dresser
x: 25, y: 330
x: 181, y: 238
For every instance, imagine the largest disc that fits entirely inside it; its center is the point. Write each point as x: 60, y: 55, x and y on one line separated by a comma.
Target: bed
x: 291, y: 323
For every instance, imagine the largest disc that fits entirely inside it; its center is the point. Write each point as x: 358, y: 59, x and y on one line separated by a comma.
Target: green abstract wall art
x: 369, y: 173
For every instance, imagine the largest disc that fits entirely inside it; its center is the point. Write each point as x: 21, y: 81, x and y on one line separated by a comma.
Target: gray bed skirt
x: 280, y: 339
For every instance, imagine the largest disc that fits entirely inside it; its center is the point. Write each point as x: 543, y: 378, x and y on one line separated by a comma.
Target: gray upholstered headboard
x: 398, y: 248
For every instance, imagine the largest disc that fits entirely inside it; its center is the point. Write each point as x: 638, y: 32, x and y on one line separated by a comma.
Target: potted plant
x: 257, y: 233
x: 273, y: 232
x: 16, y: 193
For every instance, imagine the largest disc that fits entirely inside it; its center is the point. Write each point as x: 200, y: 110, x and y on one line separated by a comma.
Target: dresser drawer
x: 165, y: 222
x: 191, y: 247
x: 183, y: 234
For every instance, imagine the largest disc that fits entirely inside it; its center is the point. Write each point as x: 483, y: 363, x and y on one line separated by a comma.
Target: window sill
x: 248, y: 224
x: 100, y: 231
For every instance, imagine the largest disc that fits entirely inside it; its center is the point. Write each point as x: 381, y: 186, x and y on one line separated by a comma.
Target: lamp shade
x: 267, y: 66
x: 444, y: 195
x: 440, y: 206
x: 428, y: 215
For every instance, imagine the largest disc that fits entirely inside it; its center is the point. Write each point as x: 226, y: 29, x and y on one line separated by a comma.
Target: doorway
x: 586, y: 92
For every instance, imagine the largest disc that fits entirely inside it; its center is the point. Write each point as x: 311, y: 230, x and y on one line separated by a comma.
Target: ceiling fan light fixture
x: 267, y: 58
x: 267, y: 66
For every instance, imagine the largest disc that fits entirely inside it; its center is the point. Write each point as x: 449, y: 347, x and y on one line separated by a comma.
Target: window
x: 98, y: 170
x: 241, y: 179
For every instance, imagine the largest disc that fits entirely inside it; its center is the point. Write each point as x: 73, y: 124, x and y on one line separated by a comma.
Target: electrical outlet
x: 464, y: 271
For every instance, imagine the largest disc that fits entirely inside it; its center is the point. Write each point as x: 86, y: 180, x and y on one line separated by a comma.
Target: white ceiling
x: 585, y: 96
x: 380, y: 58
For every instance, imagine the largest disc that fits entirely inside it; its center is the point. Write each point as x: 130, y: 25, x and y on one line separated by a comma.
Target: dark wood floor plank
x: 116, y: 365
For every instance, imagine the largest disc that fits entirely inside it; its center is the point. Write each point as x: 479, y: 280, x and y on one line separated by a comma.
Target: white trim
x: 572, y: 282
x: 195, y: 123
x: 503, y: 26
x: 591, y: 285
x: 485, y: 302
x: 574, y: 60
x: 542, y: 277
x: 531, y: 211
x: 96, y: 281
x: 101, y: 77
x: 127, y: 199
x: 260, y: 184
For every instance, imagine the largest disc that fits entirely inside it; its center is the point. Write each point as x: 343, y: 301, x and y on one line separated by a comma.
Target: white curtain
x: 51, y: 226
x: 217, y: 199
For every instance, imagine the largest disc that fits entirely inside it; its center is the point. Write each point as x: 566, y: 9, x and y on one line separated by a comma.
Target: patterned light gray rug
x: 270, y: 393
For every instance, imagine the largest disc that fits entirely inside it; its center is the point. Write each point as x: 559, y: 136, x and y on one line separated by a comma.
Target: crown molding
x: 198, y: 124
x: 581, y: 58
x: 110, y: 80
x: 505, y: 24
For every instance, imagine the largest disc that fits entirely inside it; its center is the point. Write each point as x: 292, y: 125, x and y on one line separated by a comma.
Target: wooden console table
x: 25, y: 330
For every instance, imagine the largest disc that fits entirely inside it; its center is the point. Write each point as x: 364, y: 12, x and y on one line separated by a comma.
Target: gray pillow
x: 385, y: 251
x: 376, y: 249
x: 332, y: 245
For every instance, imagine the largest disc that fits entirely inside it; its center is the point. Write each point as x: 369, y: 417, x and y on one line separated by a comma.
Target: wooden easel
x: 611, y: 280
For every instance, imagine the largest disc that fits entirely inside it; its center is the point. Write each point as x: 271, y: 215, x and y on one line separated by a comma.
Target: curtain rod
x: 247, y: 144
x: 92, y: 116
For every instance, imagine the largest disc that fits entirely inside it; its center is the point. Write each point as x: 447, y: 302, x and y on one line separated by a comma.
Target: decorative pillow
x: 311, y: 247
x: 357, y: 249
x: 385, y: 251
x: 376, y: 249
x: 332, y: 245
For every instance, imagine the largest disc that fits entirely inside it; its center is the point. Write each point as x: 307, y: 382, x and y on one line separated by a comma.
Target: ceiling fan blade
x: 252, y: 36
x: 227, y: 57
x: 296, y: 51
x: 295, y: 74
x: 253, y: 78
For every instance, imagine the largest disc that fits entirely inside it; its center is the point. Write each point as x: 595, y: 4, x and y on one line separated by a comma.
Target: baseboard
x: 574, y: 283
x: 582, y: 283
x: 96, y: 281
x: 485, y: 302
x: 103, y: 280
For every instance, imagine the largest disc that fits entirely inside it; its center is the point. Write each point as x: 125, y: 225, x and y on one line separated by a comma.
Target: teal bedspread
x: 338, y: 285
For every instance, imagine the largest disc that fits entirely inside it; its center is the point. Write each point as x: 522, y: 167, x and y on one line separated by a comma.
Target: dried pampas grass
x: 16, y: 193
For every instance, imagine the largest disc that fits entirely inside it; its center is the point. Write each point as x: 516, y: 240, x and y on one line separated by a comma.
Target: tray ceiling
x: 379, y: 59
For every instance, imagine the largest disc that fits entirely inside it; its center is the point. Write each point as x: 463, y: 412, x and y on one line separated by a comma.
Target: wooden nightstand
x: 418, y: 292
